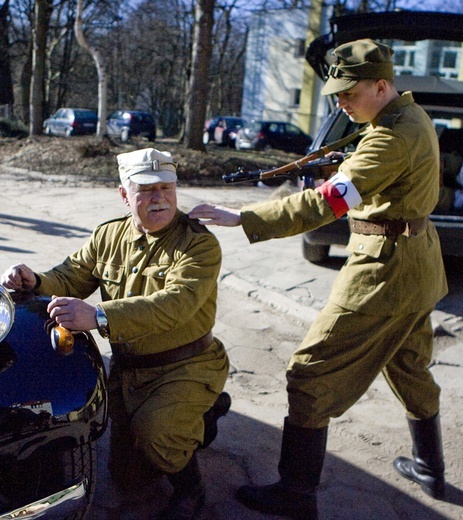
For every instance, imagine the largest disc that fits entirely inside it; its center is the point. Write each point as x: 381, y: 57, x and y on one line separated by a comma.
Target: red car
x: 222, y: 130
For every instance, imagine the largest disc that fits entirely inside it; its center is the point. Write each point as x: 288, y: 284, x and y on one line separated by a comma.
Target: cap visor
x: 335, y: 85
x: 153, y: 177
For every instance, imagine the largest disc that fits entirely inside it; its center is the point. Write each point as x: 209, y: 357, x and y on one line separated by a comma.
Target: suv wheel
x: 316, y: 254
x: 124, y: 135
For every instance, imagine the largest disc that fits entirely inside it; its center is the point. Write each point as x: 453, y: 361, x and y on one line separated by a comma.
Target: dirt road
x: 268, y: 297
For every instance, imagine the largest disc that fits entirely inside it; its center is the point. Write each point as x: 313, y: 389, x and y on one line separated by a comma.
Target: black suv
x: 267, y: 135
x: 125, y: 124
x: 442, y: 98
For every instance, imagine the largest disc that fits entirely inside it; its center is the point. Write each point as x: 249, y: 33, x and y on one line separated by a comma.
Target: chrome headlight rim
x: 7, y: 312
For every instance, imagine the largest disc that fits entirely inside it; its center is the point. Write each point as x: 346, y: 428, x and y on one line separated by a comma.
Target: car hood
x: 417, y: 25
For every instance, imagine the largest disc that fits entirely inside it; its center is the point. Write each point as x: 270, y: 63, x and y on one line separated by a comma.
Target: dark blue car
x: 125, y: 124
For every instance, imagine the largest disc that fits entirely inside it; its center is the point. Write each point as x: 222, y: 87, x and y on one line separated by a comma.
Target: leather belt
x: 388, y: 228
x: 160, y: 359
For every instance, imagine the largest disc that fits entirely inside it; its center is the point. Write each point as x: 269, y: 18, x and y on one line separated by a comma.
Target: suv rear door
x: 441, y: 97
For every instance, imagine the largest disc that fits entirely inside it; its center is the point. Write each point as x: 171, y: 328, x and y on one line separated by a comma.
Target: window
x: 295, y: 97
x: 300, y: 48
x: 449, y: 59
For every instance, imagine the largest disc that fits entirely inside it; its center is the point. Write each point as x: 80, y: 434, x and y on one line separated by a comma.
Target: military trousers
x: 158, y: 412
x: 344, y: 351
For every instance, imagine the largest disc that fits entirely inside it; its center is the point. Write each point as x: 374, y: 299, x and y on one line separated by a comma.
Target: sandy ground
x: 268, y: 297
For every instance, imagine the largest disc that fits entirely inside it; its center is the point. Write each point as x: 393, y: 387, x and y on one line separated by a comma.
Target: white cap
x: 147, y: 166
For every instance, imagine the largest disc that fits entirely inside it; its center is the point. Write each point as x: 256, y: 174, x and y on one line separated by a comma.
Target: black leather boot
x: 220, y: 408
x: 300, y: 467
x: 427, y: 466
x: 189, y: 493
x: 131, y: 472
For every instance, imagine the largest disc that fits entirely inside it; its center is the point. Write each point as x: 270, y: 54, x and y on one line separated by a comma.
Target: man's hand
x: 72, y: 313
x: 216, y: 215
x: 18, y: 278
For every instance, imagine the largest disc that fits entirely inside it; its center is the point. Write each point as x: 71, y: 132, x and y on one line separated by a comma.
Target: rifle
x: 315, y: 162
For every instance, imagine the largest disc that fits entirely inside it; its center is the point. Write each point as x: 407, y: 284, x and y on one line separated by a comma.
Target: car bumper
x: 54, y: 507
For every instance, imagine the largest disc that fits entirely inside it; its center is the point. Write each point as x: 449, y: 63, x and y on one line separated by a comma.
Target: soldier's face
x: 362, y: 102
x: 153, y: 206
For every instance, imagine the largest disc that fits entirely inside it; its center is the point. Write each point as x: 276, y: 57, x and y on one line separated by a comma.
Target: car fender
x: 47, y: 396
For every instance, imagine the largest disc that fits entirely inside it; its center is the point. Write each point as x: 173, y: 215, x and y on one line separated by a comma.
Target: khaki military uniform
x: 377, y: 317
x: 159, y: 293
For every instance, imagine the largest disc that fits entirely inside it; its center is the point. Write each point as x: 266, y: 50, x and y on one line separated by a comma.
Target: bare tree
x: 101, y: 68
x: 43, y: 11
x: 6, y: 82
x: 199, y: 79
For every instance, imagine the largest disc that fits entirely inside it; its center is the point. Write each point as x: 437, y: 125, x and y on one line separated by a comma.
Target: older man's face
x: 153, y: 206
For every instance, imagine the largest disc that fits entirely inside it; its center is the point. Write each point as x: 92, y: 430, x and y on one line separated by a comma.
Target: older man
x: 157, y: 274
x: 378, y: 314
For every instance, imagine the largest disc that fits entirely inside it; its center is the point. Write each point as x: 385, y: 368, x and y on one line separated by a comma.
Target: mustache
x: 158, y: 207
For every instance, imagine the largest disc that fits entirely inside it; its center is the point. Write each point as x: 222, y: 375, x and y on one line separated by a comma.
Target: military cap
x: 147, y: 166
x: 361, y: 59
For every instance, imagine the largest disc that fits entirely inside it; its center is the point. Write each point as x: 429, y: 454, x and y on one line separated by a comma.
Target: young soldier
x: 378, y: 315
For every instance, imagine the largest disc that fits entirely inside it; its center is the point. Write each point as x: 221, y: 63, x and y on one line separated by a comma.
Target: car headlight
x: 6, y: 313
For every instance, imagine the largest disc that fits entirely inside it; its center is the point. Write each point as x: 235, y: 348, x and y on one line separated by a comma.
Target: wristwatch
x: 102, y: 322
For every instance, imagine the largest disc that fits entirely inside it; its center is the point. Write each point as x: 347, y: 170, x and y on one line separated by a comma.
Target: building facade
x: 278, y: 84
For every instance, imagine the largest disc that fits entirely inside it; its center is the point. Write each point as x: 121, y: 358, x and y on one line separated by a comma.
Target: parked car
x: 222, y: 130
x: 125, y: 124
x: 441, y: 98
x: 71, y: 121
x: 265, y: 135
x: 53, y: 408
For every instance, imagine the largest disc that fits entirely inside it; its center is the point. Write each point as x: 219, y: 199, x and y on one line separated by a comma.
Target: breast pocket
x: 155, y: 277
x: 110, y: 277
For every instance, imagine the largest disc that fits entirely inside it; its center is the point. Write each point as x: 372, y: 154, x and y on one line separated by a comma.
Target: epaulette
x: 194, y: 224
x: 388, y: 120
x: 120, y: 218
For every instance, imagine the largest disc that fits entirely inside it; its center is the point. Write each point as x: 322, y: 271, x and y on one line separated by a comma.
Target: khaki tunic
x: 395, y: 169
x: 159, y: 292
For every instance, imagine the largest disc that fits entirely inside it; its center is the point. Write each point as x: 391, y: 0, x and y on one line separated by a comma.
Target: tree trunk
x: 199, y: 79
x: 6, y: 83
x: 42, y: 14
x: 101, y: 68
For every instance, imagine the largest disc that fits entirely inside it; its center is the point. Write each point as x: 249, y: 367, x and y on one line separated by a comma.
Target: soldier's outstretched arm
x: 208, y: 214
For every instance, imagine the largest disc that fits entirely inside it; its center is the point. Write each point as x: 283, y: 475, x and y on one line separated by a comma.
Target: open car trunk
x: 420, y: 67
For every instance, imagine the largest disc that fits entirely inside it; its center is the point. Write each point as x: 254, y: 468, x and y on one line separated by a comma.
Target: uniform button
x: 140, y: 248
x: 161, y: 273
x: 134, y: 269
x: 127, y: 345
x: 131, y: 389
x: 130, y: 293
x: 255, y: 237
x: 120, y: 338
x: 106, y: 274
x: 361, y: 247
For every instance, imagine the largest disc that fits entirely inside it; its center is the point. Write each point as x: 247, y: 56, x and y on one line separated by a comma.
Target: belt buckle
x: 408, y: 231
